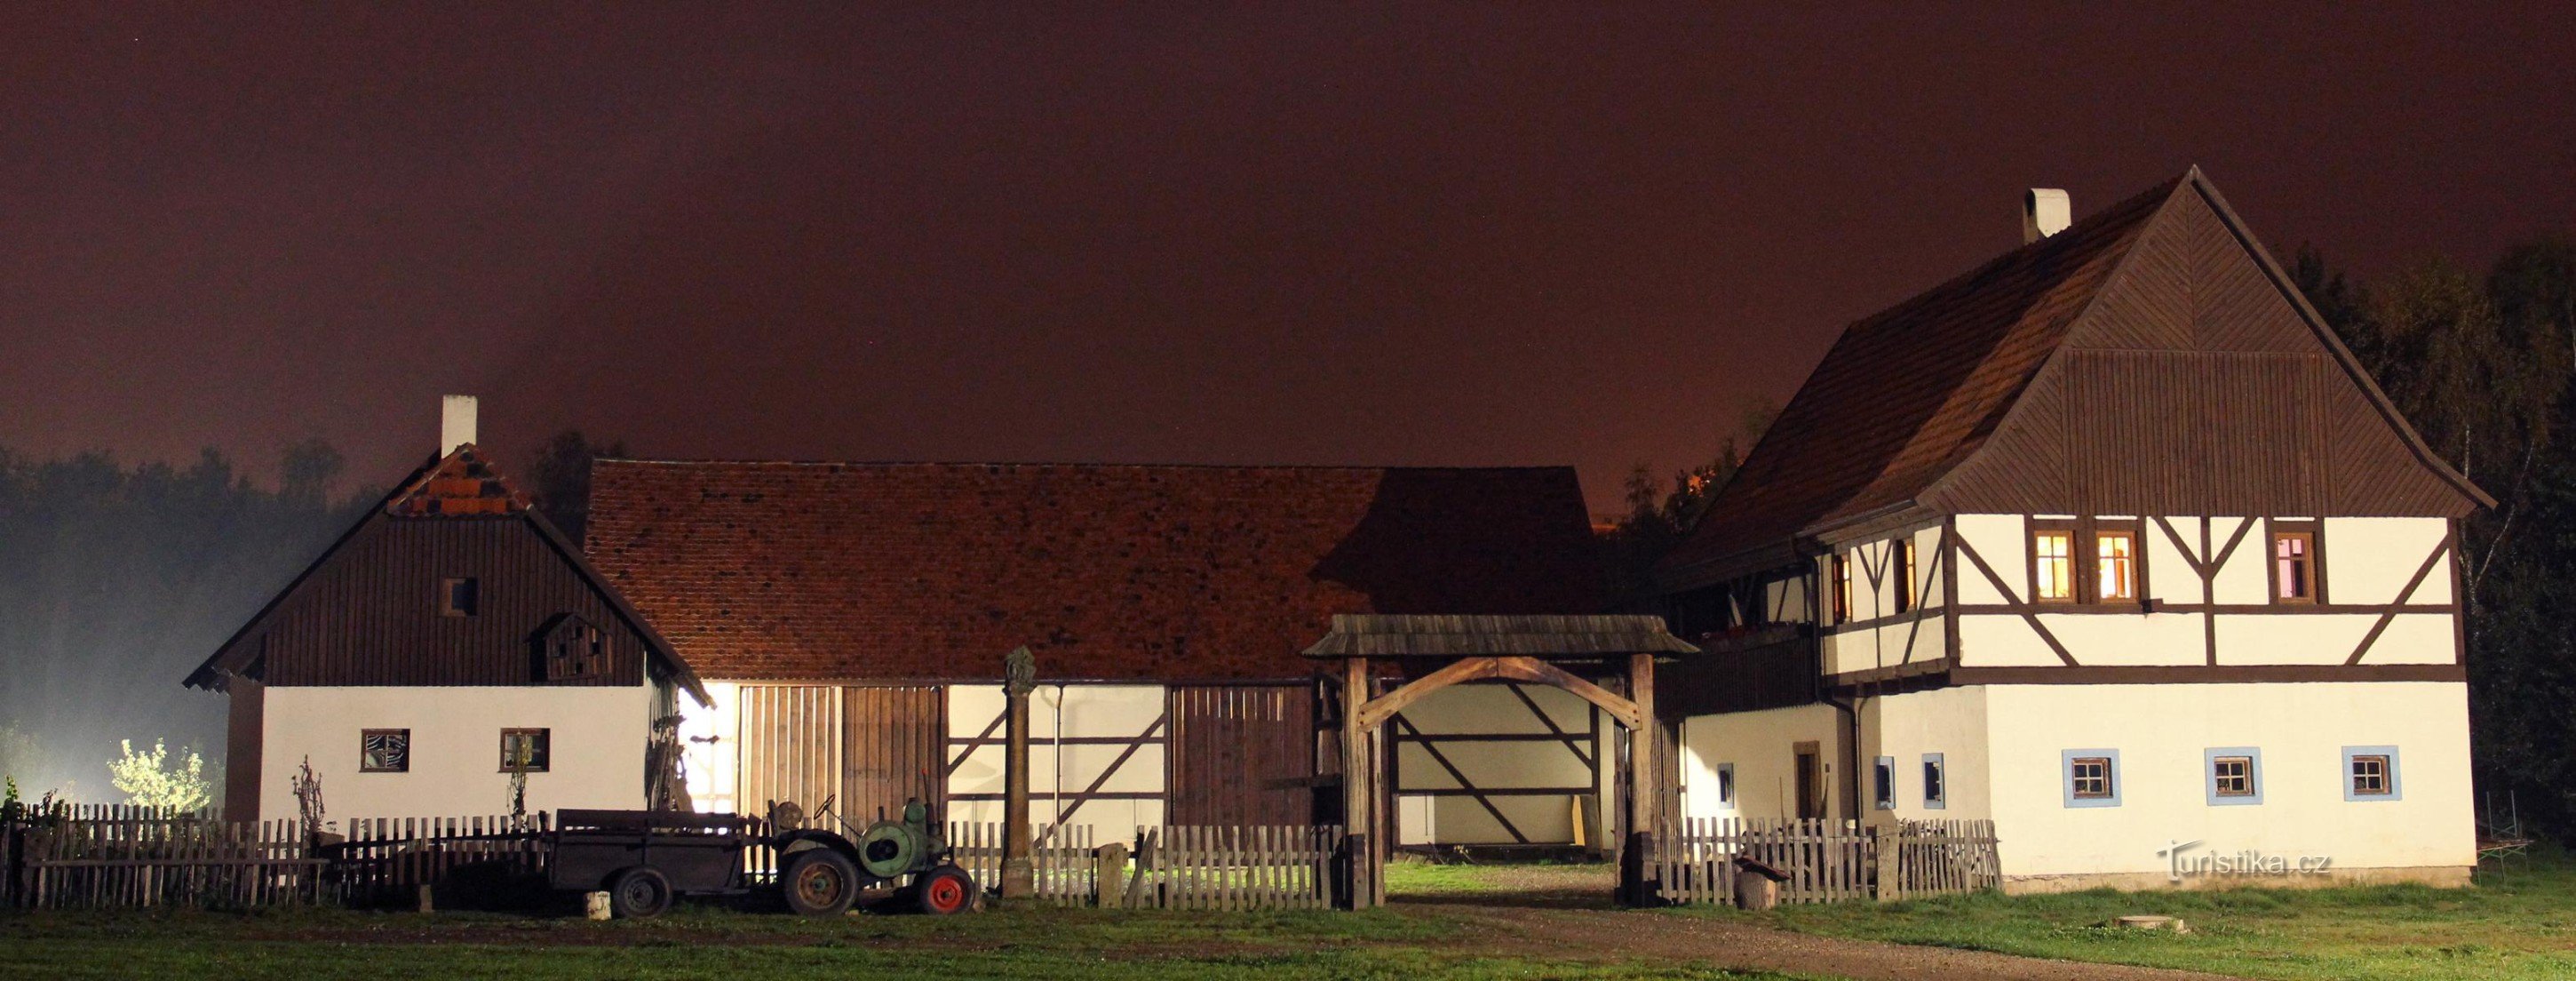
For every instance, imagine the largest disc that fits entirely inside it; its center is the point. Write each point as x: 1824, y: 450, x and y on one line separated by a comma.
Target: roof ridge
x: 1079, y: 464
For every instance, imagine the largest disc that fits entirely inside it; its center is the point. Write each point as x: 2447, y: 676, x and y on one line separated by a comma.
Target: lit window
x: 458, y: 597
x: 1936, y: 784
x: 2294, y: 567
x: 1885, y: 772
x: 2117, y: 565
x: 524, y: 750
x: 1901, y: 558
x: 2053, y: 557
x: 1842, y: 588
x: 384, y: 751
x: 2092, y: 777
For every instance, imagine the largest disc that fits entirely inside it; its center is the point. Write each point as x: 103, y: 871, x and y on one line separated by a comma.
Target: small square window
x: 459, y: 597
x: 384, y: 751
x: 2092, y: 777
x: 524, y: 750
x: 2370, y: 773
x: 1885, y: 773
x: 1936, y: 782
x: 2235, y: 775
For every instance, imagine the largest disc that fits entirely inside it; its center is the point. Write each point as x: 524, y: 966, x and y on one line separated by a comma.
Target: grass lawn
x: 2520, y: 922
x: 710, y: 942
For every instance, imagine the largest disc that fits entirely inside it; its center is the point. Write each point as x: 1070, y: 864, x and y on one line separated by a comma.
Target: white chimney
x: 455, y: 422
x: 2045, y: 211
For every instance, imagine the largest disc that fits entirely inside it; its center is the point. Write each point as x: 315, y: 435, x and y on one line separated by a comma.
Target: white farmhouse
x: 450, y: 642
x: 2111, y: 541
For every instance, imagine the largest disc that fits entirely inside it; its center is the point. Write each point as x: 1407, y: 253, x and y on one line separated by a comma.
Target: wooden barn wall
x: 790, y: 741
x: 372, y: 615
x: 2193, y: 386
x: 892, y: 743
x: 1238, y: 753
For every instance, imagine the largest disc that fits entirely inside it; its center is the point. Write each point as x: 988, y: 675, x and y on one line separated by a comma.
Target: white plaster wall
x: 2369, y: 560
x: 1762, y: 746
x: 2243, y: 578
x: 1057, y: 712
x: 1949, y: 721
x: 596, y: 748
x: 2003, y: 640
x: 2162, y: 731
x: 1998, y: 539
x: 1484, y: 709
x: 2125, y: 638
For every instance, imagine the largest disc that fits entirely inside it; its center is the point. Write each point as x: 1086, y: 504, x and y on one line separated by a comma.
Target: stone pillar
x: 1019, y: 874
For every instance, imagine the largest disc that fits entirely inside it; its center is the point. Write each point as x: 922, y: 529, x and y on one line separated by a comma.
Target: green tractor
x: 824, y: 871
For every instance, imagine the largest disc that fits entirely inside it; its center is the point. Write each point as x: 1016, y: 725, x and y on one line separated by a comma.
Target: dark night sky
x: 1288, y: 233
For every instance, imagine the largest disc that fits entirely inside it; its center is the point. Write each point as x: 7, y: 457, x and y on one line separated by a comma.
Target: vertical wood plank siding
x: 893, y: 741
x: 372, y: 615
x: 790, y: 746
x: 1235, y: 751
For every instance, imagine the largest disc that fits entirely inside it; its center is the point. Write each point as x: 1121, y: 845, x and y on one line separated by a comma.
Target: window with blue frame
x: 2370, y: 773
x: 2091, y: 777
x: 2232, y: 775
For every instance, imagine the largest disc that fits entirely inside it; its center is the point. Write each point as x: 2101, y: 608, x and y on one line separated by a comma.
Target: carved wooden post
x: 1359, y: 785
x: 1019, y: 677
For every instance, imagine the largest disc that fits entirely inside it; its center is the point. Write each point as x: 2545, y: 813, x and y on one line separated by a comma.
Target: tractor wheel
x: 944, y: 890
x: 638, y: 893
x: 820, y: 882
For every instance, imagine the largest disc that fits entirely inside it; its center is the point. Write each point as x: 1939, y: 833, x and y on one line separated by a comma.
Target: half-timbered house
x: 851, y: 620
x: 2109, y: 540
x: 450, y: 649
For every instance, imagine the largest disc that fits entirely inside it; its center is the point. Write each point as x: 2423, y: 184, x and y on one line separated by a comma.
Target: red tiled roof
x: 926, y: 571
x: 457, y: 485
x: 1910, y: 391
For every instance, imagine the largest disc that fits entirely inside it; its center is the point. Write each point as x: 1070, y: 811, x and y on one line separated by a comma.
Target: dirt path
x: 1578, y: 934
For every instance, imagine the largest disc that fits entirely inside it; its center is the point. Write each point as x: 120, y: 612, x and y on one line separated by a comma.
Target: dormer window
x: 459, y: 597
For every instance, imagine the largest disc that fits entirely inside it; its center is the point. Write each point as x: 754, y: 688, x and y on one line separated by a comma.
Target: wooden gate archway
x: 1436, y: 652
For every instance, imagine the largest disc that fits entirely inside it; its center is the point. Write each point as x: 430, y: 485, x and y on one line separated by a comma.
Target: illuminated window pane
x: 2118, y: 565
x: 2054, y: 555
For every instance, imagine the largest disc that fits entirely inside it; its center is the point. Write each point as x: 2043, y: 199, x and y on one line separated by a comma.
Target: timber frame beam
x: 1378, y: 710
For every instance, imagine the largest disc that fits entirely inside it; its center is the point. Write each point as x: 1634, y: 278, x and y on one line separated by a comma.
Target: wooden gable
x: 2199, y: 382
x: 382, y: 605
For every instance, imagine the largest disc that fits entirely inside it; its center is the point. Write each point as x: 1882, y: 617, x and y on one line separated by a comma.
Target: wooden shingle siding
x: 1238, y: 754
x: 371, y: 615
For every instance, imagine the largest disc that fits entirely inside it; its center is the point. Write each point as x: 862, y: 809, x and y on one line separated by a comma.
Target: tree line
x: 117, y: 580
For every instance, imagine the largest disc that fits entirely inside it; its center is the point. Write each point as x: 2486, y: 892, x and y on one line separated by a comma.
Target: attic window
x: 2294, y: 567
x: 1842, y: 588
x: 459, y: 597
x: 1901, y: 559
x: 2116, y: 565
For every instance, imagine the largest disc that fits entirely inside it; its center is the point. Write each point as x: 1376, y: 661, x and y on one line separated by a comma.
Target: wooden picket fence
x: 1064, y: 860
x: 1827, y: 861
x: 1231, y: 868
x: 386, y: 861
x: 129, y: 864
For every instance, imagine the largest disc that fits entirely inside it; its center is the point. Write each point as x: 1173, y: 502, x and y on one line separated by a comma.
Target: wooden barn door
x: 790, y: 746
x: 1241, y: 754
x: 892, y: 740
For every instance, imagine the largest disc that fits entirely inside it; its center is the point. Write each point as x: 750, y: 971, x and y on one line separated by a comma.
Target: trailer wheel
x: 944, y: 890
x: 820, y: 882
x: 638, y: 893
